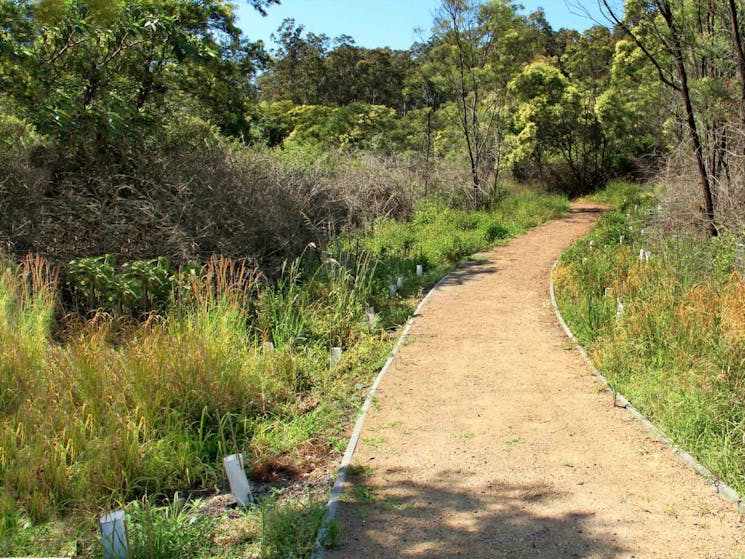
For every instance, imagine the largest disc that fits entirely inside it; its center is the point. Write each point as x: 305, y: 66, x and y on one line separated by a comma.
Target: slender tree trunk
x: 740, y: 52
x: 704, y: 177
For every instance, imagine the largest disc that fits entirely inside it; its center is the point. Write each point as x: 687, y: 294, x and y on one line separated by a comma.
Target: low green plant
x: 289, y: 528
x: 133, y: 288
x: 163, y: 532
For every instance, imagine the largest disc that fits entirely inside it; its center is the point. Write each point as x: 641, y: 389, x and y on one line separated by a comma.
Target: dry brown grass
x: 190, y: 199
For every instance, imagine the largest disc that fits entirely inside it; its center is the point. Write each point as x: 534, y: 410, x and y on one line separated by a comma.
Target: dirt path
x: 492, y: 439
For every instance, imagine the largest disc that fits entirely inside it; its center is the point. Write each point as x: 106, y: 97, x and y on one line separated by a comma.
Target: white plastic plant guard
x: 114, y: 535
x: 419, y: 270
x: 619, y: 308
x: 400, y: 282
x: 334, y: 357
x: 370, y: 317
x: 239, y: 485
x: 267, y: 347
x: 392, y: 290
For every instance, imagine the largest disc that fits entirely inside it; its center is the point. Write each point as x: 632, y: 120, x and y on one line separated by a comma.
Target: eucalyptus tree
x: 476, y: 49
x: 695, y: 48
x: 91, y: 72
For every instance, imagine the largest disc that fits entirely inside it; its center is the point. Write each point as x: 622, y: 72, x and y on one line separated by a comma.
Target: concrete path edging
x: 341, y: 476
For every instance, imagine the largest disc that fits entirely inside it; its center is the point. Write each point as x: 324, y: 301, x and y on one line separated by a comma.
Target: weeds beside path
x: 491, y: 438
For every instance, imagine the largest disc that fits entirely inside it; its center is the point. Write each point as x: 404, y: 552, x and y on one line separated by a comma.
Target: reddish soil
x: 491, y: 438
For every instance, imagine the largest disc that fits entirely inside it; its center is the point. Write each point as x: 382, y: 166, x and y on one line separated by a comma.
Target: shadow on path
x: 469, y: 270
x: 406, y: 518
x: 588, y: 210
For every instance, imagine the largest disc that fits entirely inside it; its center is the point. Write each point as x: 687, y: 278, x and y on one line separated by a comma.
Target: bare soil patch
x: 491, y: 438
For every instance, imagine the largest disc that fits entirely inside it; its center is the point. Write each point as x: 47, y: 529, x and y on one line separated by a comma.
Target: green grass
x: 677, y: 351
x: 438, y: 237
x: 100, y: 413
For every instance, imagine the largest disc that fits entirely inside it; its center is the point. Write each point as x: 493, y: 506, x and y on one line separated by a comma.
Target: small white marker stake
x: 392, y: 290
x: 419, y: 270
x: 334, y: 357
x: 267, y: 347
x: 114, y: 535
x: 400, y: 282
x: 608, y: 291
x: 239, y: 485
x: 619, y: 308
x: 620, y: 241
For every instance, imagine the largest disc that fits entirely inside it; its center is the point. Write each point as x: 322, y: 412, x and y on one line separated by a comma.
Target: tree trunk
x: 740, y: 52
x: 704, y: 177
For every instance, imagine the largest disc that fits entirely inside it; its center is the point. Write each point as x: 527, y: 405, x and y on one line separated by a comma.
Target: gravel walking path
x: 490, y: 438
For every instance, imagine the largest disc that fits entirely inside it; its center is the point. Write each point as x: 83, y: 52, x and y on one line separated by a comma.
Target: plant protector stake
x: 334, y: 357
x: 114, y: 535
x: 239, y: 485
x: 370, y: 318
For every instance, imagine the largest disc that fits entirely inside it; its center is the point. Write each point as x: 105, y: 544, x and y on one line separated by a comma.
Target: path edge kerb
x: 341, y: 476
x: 721, y: 488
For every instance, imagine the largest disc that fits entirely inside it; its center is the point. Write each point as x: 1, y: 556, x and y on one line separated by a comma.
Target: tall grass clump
x: 663, y: 314
x: 98, y: 412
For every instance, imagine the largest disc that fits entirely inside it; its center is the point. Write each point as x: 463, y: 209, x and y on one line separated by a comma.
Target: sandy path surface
x: 490, y: 437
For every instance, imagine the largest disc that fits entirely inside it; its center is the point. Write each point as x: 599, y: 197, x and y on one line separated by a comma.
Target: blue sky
x: 378, y: 23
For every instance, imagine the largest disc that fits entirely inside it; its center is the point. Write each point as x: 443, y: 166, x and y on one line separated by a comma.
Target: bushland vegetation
x: 175, y: 198
x: 103, y: 410
x: 656, y: 291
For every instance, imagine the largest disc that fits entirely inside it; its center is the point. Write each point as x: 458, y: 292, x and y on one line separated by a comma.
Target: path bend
x: 490, y: 437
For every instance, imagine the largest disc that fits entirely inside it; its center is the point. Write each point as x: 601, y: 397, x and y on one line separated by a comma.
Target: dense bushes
x: 196, y: 197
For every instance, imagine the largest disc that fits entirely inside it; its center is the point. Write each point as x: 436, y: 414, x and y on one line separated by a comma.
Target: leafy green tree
x: 312, y: 69
x: 298, y: 66
x: 558, y: 132
x: 476, y: 50
x: 97, y: 70
x: 355, y: 126
x: 588, y: 60
x: 696, y: 50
